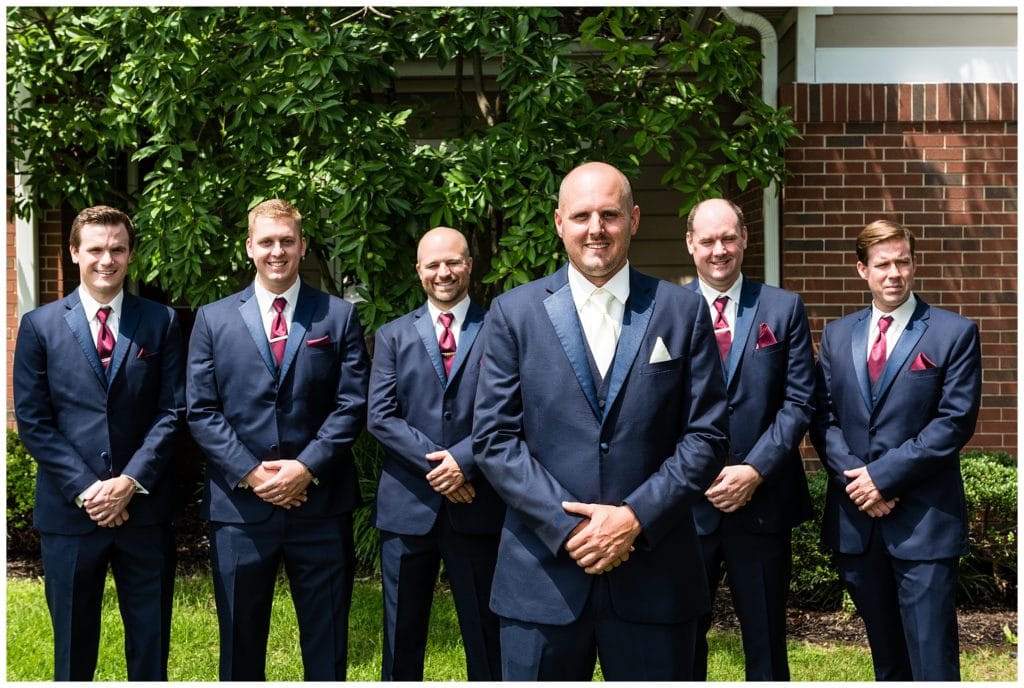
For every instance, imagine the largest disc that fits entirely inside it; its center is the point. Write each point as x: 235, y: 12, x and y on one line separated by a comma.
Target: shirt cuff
x: 139, y: 489
x: 80, y: 499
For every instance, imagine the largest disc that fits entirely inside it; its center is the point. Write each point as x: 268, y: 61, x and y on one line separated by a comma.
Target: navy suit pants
x: 409, y: 568
x: 318, y: 558
x: 909, y: 612
x: 757, y: 569
x: 75, y: 570
x: 628, y: 651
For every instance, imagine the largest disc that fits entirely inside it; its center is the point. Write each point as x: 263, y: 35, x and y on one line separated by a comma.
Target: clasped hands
x: 447, y: 478
x: 604, y: 538
x: 733, y: 487
x: 107, y: 504
x: 862, y: 491
x: 281, y: 482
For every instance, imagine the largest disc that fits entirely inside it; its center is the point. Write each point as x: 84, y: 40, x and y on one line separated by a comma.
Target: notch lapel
x: 470, y: 329
x: 125, y: 333
x: 562, y: 312
x: 635, y: 318
x: 859, y: 354
x: 302, y: 318
x: 75, y: 318
x: 746, y: 314
x: 253, y: 319
x: 425, y: 329
x: 908, y: 340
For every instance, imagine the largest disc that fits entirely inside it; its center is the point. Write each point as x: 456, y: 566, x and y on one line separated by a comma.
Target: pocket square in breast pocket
x: 659, y: 353
x: 922, y: 362
x: 145, y: 353
x: 765, y: 336
x: 319, y: 341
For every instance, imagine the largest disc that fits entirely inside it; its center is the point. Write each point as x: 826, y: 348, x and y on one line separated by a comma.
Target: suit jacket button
x: 604, y: 447
x: 871, y: 430
x: 600, y: 403
x: 105, y: 456
x: 273, y: 447
x: 447, y: 415
x: 731, y: 409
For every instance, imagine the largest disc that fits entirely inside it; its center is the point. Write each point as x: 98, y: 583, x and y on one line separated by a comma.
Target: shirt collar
x: 91, y: 305
x: 265, y: 298
x: 733, y: 292
x: 900, y: 317
x: 582, y: 288
x: 459, y: 310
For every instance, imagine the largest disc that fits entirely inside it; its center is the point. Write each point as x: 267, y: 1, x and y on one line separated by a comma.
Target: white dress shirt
x: 458, y: 312
x: 265, y: 299
x: 618, y: 286
x: 900, y: 318
x: 731, y: 306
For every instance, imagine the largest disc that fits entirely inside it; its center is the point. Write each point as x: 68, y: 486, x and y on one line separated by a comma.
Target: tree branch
x: 478, y: 85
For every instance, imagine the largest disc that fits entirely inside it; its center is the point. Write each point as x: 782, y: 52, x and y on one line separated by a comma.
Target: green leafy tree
x: 218, y: 108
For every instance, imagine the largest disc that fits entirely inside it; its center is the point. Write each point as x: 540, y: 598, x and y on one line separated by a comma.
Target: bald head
x: 588, y: 173
x: 716, y: 237
x: 444, y: 266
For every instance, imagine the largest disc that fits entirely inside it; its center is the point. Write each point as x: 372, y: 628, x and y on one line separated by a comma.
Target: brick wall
x: 940, y: 159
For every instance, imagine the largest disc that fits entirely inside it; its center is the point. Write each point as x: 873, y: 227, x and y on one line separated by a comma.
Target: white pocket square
x: 660, y: 353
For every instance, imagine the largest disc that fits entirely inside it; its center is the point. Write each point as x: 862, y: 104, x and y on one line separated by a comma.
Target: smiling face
x: 717, y: 242
x: 444, y: 266
x: 596, y: 220
x: 889, y: 272
x: 102, y: 256
x: 276, y: 247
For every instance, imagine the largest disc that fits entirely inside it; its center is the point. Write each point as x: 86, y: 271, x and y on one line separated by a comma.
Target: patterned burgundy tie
x: 876, y: 359
x: 279, y: 331
x: 447, y: 342
x: 722, y: 333
x: 104, y: 338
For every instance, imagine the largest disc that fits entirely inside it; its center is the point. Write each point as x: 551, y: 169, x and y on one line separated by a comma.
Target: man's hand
x: 281, y: 482
x: 463, y: 494
x: 862, y: 491
x: 446, y: 478
x: 605, y: 537
x: 733, y: 487
x: 107, y: 505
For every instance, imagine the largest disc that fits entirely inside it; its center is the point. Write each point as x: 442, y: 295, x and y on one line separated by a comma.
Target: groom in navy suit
x: 600, y: 420
x: 899, y: 385
x: 99, y: 398
x: 432, y: 502
x: 276, y: 390
x: 745, y: 522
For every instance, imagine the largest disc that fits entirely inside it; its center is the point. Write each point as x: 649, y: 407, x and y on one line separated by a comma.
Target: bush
x: 21, y: 488
x: 989, y: 572
x: 815, y: 583
x: 368, y: 455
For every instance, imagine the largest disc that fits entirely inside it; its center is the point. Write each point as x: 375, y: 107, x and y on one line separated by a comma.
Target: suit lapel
x: 250, y: 312
x: 746, y: 313
x: 562, y: 312
x: 125, y: 333
x: 635, y: 318
x: 301, y: 320
x: 859, y: 354
x: 907, y: 342
x: 75, y: 318
x: 425, y: 328
x: 470, y: 329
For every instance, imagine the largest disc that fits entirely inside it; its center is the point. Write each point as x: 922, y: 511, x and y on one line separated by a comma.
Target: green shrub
x: 368, y: 456
x: 989, y: 572
x: 21, y: 488
x: 815, y: 583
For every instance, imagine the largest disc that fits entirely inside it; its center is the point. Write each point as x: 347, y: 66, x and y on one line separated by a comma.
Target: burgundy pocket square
x: 922, y: 362
x: 319, y: 341
x: 765, y: 336
x: 144, y: 352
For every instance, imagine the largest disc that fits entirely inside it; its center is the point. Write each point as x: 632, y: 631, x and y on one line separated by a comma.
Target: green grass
x: 194, y: 646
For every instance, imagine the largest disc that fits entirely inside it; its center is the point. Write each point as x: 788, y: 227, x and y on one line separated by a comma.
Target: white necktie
x: 599, y: 328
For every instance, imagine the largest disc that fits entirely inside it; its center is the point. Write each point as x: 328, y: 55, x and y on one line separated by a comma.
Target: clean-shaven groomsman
x: 432, y: 502
x: 899, y: 386
x: 99, y: 398
x: 276, y: 387
x: 600, y: 420
x: 745, y: 522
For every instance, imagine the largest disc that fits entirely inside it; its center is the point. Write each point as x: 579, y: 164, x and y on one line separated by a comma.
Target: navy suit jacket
x: 541, y: 437
x: 83, y: 424
x: 242, y: 410
x: 908, y: 431
x: 771, y: 395
x: 416, y: 409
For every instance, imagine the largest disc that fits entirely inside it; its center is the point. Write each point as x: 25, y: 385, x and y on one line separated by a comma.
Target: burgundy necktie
x: 104, y: 338
x: 447, y: 342
x: 876, y: 359
x: 279, y: 331
x: 722, y: 333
